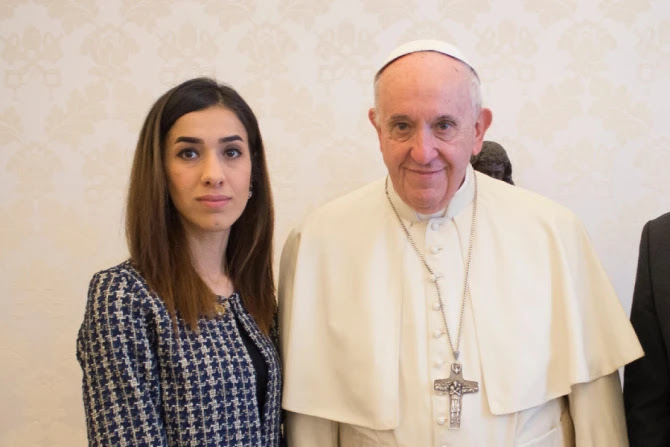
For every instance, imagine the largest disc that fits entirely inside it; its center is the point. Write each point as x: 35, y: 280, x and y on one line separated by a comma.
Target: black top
x: 260, y: 367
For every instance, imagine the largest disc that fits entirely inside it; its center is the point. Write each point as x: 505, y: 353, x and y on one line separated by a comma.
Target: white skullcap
x: 425, y: 45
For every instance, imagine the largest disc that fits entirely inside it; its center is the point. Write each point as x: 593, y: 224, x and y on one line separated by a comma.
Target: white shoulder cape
x: 546, y: 315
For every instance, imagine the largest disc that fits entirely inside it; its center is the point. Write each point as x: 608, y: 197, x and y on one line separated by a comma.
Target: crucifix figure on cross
x: 455, y: 386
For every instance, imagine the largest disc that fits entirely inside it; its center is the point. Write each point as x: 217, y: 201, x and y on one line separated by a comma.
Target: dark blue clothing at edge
x: 148, y: 382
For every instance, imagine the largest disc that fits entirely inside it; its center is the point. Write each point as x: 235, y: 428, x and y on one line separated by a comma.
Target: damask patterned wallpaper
x: 579, y: 92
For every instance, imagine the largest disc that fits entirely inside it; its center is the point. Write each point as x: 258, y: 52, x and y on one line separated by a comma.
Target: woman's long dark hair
x: 156, y: 237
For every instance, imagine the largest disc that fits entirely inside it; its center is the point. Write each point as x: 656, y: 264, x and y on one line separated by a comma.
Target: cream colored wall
x: 579, y: 91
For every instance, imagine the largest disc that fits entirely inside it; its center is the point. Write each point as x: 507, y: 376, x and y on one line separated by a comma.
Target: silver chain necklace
x: 455, y: 386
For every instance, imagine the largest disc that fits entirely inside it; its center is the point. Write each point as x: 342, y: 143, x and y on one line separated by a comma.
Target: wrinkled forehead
x: 424, y: 77
x: 425, y: 85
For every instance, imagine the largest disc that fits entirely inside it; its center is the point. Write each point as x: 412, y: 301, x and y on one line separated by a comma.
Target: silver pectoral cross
x: 455, y: 386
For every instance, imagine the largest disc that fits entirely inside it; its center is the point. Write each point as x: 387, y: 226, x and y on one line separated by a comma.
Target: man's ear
x: 372, y: 116
x: 482, y: 124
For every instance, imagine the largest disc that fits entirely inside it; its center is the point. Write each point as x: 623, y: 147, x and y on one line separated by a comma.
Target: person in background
x: 178, y: 343
x: 493, y: 161
x: 647, y: 380
x: 438, y: 306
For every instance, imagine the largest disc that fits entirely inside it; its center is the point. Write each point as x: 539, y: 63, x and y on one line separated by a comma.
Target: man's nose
x: 423, y: 146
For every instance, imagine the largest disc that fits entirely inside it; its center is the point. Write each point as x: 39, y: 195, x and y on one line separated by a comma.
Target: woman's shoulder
x: 120, y: 311
x: 121, y: 286
x: 121, y: 276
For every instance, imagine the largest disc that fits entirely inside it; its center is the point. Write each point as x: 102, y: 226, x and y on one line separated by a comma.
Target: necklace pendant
x: 455, y: 386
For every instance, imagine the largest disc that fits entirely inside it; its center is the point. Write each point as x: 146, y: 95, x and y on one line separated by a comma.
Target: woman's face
x: 208, y: 166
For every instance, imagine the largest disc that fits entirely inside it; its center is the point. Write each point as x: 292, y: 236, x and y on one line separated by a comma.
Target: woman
x: 178, y: 345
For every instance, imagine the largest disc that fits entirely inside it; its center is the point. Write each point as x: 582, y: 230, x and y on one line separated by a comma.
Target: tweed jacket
x: 148, y: 382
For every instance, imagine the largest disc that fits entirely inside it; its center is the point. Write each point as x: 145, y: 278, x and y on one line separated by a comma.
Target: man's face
x: 427, y: 127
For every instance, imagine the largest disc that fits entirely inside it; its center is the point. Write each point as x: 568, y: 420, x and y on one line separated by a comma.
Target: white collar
x: 458, y: 202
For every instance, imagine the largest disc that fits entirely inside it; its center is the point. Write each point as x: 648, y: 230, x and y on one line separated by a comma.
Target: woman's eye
x: 187, y: 154
x: 233, y: 152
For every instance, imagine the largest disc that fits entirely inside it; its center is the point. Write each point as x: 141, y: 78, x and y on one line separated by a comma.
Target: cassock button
x: 435, y: 250
x: 437, y: 334
x: 436, y: 305
x: 441, y: 421
x: 438, y: 363
x: 435, y: 226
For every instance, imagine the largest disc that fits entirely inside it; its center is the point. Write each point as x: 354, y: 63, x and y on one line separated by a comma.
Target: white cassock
x: 363, y: 340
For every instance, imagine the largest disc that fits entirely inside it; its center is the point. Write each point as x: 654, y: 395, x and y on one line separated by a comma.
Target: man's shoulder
x: 344, y: 218
x: 659, y: 232
x: 360, y: 200
x: 529, y: 206
x: 661, y: 222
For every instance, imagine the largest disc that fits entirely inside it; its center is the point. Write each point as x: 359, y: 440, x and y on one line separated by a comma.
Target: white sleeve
x: 309, y: 431
x: 597, y: 412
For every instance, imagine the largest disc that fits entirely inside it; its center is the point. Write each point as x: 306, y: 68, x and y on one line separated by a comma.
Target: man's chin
x: 427, y: 204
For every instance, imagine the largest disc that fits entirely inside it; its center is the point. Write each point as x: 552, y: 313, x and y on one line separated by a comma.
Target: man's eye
x: 445, y: 130
x: 187, y: 154
x: 401, y: 126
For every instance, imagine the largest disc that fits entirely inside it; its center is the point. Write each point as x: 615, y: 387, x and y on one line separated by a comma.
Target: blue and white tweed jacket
x: 147, y: 383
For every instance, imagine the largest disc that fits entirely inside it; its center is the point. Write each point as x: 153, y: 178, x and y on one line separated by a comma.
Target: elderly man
x: 440, y: 307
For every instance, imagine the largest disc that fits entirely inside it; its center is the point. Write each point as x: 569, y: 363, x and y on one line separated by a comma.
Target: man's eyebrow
x: 399, y: 117
x: 449, y: 118
x: 403, y: 117
x: 194, y: 140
